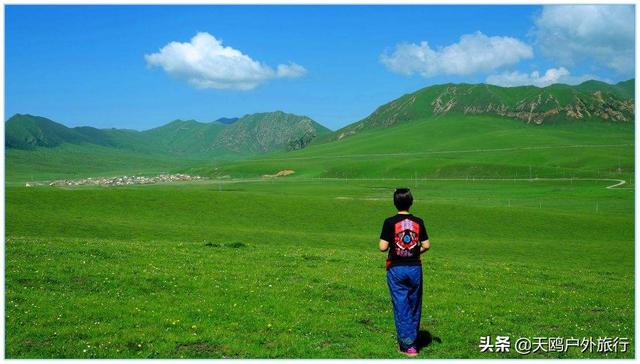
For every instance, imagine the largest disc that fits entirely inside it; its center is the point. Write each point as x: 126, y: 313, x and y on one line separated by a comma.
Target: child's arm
x: 383, y: 245
x: 424, y: 246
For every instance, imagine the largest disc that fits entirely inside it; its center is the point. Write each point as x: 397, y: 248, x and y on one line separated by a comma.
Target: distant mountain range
x: 280, y: 131
x: 254, y: 133
x: 590, y: 100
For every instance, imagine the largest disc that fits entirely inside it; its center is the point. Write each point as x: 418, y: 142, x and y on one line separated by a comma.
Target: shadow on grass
x: 425, y: 339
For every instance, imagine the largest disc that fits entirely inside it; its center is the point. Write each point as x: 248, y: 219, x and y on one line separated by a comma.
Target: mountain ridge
x: 271, y: 131
x: 557, y: 102
x: 25, y: 131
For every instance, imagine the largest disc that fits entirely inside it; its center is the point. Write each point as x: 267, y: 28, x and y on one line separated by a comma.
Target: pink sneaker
x: 410, y: 352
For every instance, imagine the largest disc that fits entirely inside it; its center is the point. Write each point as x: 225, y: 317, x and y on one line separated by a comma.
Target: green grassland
x: 38, y: 148
x: 250, y: 267
x: 288, y: 269
x: 88, y: 160
x: 458, y: 146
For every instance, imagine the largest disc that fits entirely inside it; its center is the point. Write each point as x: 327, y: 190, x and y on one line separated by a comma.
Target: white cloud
x: 551, y: 76
x: 601, y: 33
x: 205, y: 63
x: 290, y: 70
x: 474, y: 53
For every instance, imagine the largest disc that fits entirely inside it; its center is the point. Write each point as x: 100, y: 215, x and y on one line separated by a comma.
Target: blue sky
x: 115, y: 66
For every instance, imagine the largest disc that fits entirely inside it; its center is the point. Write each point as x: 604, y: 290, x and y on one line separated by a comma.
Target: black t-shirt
x: 404, y: 234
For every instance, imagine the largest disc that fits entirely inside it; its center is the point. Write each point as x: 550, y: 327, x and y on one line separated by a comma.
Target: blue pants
x: 405, y: 286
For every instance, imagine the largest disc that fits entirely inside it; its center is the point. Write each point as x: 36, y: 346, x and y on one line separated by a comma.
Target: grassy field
x: 249, y: 267
x: 458, y: 146
x: 244, y: 270
x: 78, y: 161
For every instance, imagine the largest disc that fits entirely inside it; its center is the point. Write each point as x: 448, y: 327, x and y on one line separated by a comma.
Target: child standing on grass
x: 405, y: 236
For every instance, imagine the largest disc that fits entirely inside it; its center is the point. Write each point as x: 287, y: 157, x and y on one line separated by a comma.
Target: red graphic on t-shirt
x: 407, y: 233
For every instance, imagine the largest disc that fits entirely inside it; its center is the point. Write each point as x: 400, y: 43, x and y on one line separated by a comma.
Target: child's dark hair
x: 403, y: 199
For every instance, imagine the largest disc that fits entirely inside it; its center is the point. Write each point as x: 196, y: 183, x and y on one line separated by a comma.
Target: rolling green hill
x: 590, y: 100
x: 28, y: 132
x: 39, y: 148
x: 440, y: 131
x: 456, y: 146
x: 472, y: 131
x: 184, y: 136
x: 254, y: 133
x: 264, y: 132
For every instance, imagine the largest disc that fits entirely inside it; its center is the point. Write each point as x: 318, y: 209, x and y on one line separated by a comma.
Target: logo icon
x: 407, y: 233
